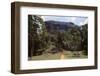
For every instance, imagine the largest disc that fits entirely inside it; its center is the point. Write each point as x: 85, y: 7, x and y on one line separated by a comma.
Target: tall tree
x: 85, y: 38
x: 37, y: 35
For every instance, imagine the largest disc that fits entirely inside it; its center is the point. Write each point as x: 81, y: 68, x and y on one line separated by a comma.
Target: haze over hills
x: 58, y: 25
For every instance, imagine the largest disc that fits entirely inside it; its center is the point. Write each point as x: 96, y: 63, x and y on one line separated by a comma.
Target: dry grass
x: 64, y: 55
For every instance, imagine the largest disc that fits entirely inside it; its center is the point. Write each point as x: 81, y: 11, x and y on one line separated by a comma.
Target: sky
x: 75, y: 19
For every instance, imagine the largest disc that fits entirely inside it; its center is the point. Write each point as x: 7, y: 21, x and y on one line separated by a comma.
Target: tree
x: 84, y: 34
x: 72, y: 40
x: 37, y: 35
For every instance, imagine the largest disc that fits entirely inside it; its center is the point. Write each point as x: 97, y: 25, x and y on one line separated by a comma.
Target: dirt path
x: 62, y: 55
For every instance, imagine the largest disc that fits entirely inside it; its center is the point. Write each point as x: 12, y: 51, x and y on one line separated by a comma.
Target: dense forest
x: 55, y: 36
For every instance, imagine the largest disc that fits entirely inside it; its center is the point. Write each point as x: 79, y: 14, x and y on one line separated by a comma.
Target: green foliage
x: 85, y: 38
x: 39, y: 39
x: 37, y: 35
x: 74, y: 39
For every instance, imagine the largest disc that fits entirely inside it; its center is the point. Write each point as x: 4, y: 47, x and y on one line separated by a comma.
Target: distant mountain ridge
x: 59, y: 25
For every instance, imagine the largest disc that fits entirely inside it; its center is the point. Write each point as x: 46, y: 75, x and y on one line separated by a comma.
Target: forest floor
x: 60, y: 55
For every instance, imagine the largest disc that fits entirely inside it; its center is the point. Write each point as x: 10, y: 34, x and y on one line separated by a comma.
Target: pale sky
x: 75, y: 19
